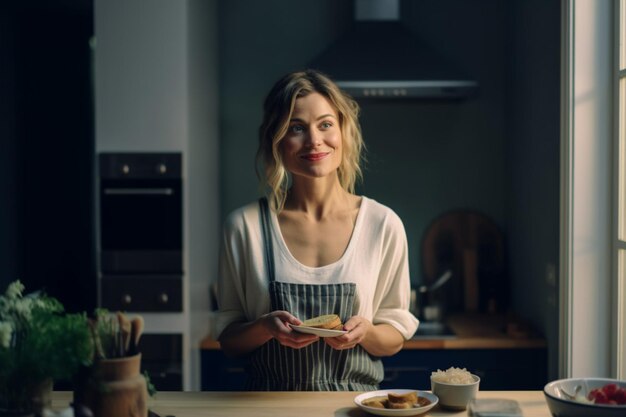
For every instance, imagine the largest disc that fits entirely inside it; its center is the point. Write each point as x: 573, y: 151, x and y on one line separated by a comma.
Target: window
x: 588, y: 300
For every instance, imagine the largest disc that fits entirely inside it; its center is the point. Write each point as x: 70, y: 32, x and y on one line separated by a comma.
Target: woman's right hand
x: 277, y: 324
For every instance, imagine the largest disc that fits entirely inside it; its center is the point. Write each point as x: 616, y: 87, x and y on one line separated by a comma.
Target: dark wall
x: 47, y: 193
x: 534, y: 172
x: 430, y: 157
x: 8, y: 186
x: 258, y: 42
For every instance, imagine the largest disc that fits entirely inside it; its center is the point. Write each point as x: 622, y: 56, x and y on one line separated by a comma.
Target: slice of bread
x: 376, y: 402
x: 410, y: 397
x: 400, y: 405
x: 327, y: 321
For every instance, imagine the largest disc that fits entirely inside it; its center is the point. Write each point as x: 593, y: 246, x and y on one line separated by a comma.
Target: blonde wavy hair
x: 277, y: 112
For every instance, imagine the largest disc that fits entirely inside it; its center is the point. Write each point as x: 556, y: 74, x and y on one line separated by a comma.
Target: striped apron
x: 316, y: 367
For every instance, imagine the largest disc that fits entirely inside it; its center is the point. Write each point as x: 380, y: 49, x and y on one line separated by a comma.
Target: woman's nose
x: 314, y: 137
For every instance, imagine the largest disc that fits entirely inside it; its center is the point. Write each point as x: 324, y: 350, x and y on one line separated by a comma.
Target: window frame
x: 618, y: 272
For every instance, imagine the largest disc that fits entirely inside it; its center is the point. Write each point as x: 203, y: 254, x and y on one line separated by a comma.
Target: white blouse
x: 376, y: 260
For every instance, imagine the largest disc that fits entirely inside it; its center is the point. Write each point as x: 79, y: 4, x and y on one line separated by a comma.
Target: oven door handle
x: 139, y: 191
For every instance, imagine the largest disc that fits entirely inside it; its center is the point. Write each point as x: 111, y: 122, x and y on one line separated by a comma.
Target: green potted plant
x: 39, y: 344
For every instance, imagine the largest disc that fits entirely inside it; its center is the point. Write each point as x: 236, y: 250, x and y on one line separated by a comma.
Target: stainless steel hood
x: 379, y: 58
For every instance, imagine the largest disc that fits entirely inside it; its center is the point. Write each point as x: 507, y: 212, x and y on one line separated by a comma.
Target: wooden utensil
x: 124, y: 331
x: 136, y: 329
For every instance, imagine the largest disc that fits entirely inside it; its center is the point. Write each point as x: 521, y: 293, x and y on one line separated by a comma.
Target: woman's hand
x: 357, y: 328
x: 277, y: 323
x: 379, y: 340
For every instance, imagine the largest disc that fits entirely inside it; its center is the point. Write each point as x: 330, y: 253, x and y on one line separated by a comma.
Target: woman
x: 311, y: 248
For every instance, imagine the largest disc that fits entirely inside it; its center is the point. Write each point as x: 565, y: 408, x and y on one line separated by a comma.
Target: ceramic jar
x: 116, y: 388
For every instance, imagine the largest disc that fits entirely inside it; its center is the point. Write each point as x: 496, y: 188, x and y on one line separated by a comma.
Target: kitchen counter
x: 482, y: 331
x: 289, y: 404
x: 472, y: 331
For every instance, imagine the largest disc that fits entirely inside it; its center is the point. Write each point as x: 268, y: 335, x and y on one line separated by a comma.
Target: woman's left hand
x: 357, y: 328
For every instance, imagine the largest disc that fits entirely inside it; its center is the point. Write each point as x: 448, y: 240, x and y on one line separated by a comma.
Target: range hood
x: 379, y: 58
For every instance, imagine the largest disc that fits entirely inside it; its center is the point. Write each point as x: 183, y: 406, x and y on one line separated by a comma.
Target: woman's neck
x: 318, y: 197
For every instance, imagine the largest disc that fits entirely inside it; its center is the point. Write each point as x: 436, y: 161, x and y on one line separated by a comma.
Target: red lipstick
x: 315, y: 156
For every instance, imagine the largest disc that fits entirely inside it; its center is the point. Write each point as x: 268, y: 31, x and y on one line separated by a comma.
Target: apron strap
x: 267, y: 237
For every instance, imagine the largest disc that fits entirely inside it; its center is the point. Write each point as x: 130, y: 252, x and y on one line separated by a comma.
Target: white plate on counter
x: 317, y: 331
x: 358, y: 400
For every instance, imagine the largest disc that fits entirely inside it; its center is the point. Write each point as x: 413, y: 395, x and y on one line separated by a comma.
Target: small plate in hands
x: 317, y: 331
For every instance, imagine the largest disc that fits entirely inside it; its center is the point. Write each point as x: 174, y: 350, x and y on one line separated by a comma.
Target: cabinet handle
x: 138, y: 191
x: 127, y: 299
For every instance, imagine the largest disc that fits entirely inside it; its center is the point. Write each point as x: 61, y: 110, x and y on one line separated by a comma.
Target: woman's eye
x: 326, y: 125
x: 296, y: 128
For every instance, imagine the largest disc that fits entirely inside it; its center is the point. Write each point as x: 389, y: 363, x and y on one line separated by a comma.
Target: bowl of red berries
x: 583, y: 397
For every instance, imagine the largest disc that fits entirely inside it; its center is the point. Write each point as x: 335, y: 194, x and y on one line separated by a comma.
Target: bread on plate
x: 326, y: 321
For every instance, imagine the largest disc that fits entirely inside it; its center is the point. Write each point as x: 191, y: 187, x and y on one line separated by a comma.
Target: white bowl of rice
x: 455, y: 387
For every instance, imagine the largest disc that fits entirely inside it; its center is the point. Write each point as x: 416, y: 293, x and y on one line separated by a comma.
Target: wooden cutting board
x: 471, y: 245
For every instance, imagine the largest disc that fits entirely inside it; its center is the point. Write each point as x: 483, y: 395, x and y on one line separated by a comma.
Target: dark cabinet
x: 162, y: 359
x: 220, y: 373
x: 154, y: 293
x: 499, y: 369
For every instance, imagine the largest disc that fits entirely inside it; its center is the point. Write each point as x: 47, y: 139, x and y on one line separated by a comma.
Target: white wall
x: 141, y: 75
x: 156, y: 91
x: 202, y: 152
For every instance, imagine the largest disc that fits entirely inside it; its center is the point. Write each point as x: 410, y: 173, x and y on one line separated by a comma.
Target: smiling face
x: 312, y: 146
x: 291, y: 127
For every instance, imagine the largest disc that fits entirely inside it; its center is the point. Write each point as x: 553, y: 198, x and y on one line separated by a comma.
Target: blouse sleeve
x: 394, y: 284
x: 230, y: 294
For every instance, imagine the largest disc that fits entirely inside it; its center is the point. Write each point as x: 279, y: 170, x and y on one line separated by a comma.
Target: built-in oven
x: 141, y: 250
x: 141, y: 213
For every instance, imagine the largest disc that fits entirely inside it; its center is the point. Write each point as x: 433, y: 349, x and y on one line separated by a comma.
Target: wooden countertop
x: 482, y: 331
x: 289, y: 404
x: 473, y: 331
